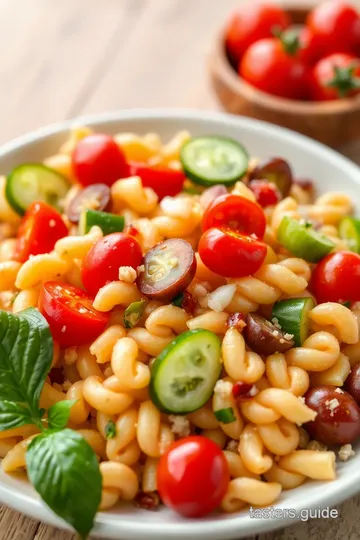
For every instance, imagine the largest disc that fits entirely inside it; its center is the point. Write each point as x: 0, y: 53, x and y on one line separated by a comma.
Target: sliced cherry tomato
x: 71, y: 316
x: 97, y: 159
x: 266, y: 193
x: 270, y: 67
x: 40, y: 229
x: 170, y: 267
x: 94, y: 197
x: 163, y: 180
x: 193, y: 476
x: 255, y: 21
x: 236, y: 213
x: 337, y: 278
x: 101, y: 264
x: 230, y: 254
x: 336, y: 26
x: 336, y: 76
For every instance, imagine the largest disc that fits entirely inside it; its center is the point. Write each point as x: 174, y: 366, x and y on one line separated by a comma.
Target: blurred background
x: 61, y: 59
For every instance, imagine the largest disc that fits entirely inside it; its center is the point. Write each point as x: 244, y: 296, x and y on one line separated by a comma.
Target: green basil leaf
x: 110, y: 430
x: 26, y: 350
x: 59, y: 414
x: 64, y: 470
x: 13, y: 415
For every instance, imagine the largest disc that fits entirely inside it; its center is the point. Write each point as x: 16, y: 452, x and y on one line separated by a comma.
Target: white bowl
x: 331, y: 172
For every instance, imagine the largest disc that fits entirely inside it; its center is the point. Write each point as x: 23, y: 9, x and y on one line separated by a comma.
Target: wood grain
x: 64, y: 58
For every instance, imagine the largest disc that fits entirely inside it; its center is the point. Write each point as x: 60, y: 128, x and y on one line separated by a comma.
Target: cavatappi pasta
x: 273, y: 340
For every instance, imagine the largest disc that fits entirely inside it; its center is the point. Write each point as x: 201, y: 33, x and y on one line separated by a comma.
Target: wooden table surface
x: 60, y: 59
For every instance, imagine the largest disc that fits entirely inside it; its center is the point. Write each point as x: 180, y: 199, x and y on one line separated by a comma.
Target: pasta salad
x: 179, y: 324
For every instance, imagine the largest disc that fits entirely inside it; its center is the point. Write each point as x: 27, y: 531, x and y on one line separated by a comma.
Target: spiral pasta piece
x: 253, y: 452
x: 240, y: 364
x: 319, y: 465
x: 167, y: 320
x: 130, y: 192
x: 339, y: 316
x: 119, y: 482
x: 103, y: 346
x: 280, y: 438
x: 286, y: 207
x: 251, y: 491
x: 126, y: 367
x: 330, y: 208
x: 236, y: 465
x: 102, y: 399
x: 46, y: 267
x: 116, y: 293
x: 287, y: 479
x: 280, y: 375
x: 286, y: 404
x: 153, y: 436
x: 318, y: 352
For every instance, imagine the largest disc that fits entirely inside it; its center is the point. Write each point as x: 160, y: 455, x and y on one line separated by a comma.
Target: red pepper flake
x: 236, y: 320
x: 148, y: 501
x: 131, y: 230
x: 188, y: 303
x: 244, y: 390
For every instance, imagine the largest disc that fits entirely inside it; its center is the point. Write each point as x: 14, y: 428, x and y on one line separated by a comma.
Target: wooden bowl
x: 333, y: 122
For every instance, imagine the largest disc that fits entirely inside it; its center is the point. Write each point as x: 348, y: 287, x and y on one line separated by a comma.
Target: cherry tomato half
x: 255, y: 21
x: 270, y: 68
x: 101, y: 264
x: 97, y: 159
x: 40, y: 229
x: 163, y: 180
x: 337, y: 278
x: 336, y: 76
x: 266, y: 193
x: 230, y: 254
x: 193, y: 476
x: 236, y: 213
x: 336, y: 26
x: 71, y: 316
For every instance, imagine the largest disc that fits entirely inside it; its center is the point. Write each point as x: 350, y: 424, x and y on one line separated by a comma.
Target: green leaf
x: 13, y: 415
x: 110, y: 430
x: 26, y: 350
x: 64, y: 470
x: 59, y: 414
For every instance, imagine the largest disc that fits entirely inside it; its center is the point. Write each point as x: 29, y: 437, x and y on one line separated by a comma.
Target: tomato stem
x: 290, y: 41
x: 344, y: 80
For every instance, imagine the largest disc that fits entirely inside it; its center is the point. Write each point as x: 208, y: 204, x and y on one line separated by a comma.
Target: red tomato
x: 337, y: 278
x: 230, y: 254
x: 101, y: 264
x: 300, y: 41
x: 98, y: 159
x: 193, y: 476
x: 40, y: 229
x: 270, y: 68
x: 336, y: 26
x: 255, y: 21
x: 266, y: 193
x: 163, y: 180
x: 336, y: 76
x: 71, y: 316
x: 236, y: 213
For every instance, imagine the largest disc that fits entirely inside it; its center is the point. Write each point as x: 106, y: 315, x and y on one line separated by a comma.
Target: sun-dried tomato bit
x: 147, y: 501
x: 244, y: 390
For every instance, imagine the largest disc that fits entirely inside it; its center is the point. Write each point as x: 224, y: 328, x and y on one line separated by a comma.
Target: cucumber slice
x: 35, y: 182
x: 108, y: 223
x: 292, y: 316
x: 225, y: 416
x: 214, y: 160
x: 349, y: 230
x: 183, y: 376
x: 303, y: 241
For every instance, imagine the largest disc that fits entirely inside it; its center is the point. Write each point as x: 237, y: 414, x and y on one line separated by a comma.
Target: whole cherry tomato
x: 303, y: 43
x: 338, y: 415
x: 236, y: 213
x: 97, y: 159
x: 255, y: 21
x: 336, y: 76
x: 163, y: 180
x: 40, y: 229
x: 193, y: 476
x: 271, y: 67
x: 336, y: 26
x: 101, y: 264
x: 337, y: 278
x: 266, y: 193
x: 71, y: 316
x: 231, y: 254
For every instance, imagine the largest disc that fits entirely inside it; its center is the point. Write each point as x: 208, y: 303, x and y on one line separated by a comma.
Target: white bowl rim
x: 116, y: 525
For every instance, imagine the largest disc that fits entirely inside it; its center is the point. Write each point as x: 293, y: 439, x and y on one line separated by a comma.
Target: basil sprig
x: 61, y: 465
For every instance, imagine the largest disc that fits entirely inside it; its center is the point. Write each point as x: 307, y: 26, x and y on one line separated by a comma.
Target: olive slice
x: 275, y: 170
x: 263, y: 337
x: 170, y: 267
x: 94, y: 197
